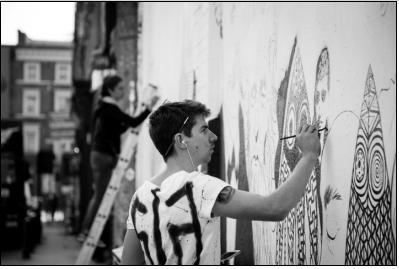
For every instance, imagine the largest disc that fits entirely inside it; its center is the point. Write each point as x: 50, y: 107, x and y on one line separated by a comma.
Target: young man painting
x: 174, y: 218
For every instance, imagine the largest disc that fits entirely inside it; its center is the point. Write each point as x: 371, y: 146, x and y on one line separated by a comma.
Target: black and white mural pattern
x: 370, y: 238
x: 299, y: 235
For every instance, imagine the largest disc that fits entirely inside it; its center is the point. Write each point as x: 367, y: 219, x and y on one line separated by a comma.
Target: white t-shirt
x: 174, y: 223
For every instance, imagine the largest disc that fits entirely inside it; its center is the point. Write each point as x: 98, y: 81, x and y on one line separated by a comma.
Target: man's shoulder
x: 206, y: 176
x: 146, y: 186
x: 182, y: 178
x: 206, y: 179
x: 193, y: 176
x: 143, y: 190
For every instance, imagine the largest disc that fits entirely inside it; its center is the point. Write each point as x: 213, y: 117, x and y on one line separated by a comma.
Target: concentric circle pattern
x: 377, y: 172
x: 361, y: 170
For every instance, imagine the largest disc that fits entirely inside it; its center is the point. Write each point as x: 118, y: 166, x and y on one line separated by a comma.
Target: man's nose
x: 213, y: 137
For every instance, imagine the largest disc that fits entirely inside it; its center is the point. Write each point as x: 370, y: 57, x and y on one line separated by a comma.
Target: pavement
x: 56, y: 248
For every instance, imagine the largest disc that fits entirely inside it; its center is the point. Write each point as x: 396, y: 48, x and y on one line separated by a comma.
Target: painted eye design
x: 291, y: 127
x: 360, y: 171
x: 360, y: 163
x: 377, y: 169
x: 304, y: 113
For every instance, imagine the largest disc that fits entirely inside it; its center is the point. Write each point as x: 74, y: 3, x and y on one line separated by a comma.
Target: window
x: 31, y: 136
x: 61, y: 146
x: 63, y: 73
x: 31, y: 72
x: 62, y: 100
x: 31, y: 102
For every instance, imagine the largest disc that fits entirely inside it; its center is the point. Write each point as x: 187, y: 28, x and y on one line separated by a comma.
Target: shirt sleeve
x: 205, y: 192
x: 129, y: 221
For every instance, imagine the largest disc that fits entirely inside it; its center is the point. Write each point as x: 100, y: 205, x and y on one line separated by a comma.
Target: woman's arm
x: 127, y: 120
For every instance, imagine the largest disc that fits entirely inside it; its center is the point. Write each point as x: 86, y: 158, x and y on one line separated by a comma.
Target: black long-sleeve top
x: 109, y: 123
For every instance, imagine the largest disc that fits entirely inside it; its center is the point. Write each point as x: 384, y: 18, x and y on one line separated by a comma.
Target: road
x: 56, y: 248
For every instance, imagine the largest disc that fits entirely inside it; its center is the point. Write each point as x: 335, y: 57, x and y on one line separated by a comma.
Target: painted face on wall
x: 321, y: 92
x: 335, y: 189
x: 332, y: 204
x: 322, y: 87
x: 201, y: 144
x: 299, y: 236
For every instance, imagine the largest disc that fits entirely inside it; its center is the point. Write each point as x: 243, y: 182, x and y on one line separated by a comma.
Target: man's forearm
x: 288, y: 195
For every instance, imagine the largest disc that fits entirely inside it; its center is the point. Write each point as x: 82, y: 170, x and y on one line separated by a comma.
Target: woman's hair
x: 109, y: 83
x: 169, y: 119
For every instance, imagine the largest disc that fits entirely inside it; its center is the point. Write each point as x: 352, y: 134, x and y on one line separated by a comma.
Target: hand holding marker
x: 292, y: 136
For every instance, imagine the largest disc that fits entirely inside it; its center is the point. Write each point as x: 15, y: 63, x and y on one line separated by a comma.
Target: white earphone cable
x: 189, y: 155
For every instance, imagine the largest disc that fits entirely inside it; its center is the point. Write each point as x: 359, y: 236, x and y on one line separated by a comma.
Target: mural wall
x: 271, y: 67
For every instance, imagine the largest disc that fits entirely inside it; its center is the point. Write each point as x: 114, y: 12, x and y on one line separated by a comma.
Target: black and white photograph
x: 198, y: 133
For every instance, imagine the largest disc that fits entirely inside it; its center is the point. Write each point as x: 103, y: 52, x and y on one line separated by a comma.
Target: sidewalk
x: 56, y: 248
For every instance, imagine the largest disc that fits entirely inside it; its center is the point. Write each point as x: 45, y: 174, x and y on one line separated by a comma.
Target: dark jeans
x: 102, y: 166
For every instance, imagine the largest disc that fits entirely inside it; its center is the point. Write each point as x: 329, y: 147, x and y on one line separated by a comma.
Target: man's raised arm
x: 274, y: 207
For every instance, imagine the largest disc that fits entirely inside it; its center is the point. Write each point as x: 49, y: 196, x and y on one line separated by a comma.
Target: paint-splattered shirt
x: 173, y: 221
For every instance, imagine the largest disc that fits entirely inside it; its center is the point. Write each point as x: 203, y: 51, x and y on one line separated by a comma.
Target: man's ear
x: 180, y: 142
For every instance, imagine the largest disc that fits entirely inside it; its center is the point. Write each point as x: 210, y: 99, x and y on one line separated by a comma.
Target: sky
x: 50, y: 21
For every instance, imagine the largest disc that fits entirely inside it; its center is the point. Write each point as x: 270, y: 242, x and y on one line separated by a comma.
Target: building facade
x: 40, y: 96
x: 6, y: 55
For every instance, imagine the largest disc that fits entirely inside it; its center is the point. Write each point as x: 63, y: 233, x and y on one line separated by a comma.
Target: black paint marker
x: 229, y: 255
x: 292, y: 136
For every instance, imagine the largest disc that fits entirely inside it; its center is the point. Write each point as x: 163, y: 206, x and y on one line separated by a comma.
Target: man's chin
x: 209, y: 158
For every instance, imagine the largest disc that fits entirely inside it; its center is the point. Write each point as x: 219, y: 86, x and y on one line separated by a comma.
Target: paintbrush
x: 292, y: 136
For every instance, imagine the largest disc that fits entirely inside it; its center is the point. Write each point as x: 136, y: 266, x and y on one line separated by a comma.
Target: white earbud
x: 189, y: 155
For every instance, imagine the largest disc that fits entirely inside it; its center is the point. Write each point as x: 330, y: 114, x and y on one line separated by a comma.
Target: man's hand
x: 307, y: 140
x: 276, y: 206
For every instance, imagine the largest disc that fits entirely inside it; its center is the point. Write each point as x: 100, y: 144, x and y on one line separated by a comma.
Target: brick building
x: 6, y: 54
x: 36, y: 91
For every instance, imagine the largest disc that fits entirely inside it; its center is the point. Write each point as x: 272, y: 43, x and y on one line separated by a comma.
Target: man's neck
x: 173, y: 165
x: 180, y: 163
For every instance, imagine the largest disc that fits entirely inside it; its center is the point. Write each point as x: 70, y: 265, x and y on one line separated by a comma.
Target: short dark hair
x: 169, y: 119
x: 109, y: 82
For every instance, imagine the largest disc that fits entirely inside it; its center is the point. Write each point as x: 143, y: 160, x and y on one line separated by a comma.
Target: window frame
x: 59, y: 72
x: 26, y: 72
x: 34, y: 145
x: 25, y: 94
x: 59, y: 95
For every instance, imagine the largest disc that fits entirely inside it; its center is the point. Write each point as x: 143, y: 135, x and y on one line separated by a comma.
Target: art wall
x: 267, y: 68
